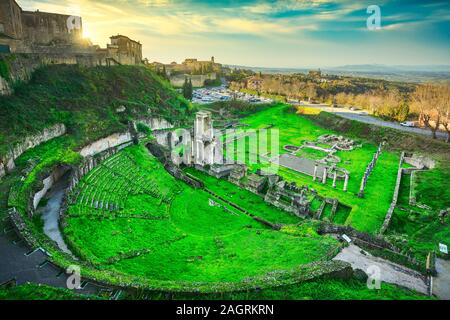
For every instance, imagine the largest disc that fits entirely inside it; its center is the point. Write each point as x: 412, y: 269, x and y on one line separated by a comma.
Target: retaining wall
x: 7, y: 161
x: 109, y: 142
x: 390, y: 212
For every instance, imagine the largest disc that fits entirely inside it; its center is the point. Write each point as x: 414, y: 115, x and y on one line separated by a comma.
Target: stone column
x: 363, y: 185
x: 334, y: 179
x: 315, y: 173
x: 346, y: 182
x: 325, y: 175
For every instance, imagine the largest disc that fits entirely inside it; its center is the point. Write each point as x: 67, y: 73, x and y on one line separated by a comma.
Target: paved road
x: 390, y: 272
x: 361, y: 117
x: 441, y: 283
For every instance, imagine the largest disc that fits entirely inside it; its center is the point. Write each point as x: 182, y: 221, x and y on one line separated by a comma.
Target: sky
x: 267, y: 33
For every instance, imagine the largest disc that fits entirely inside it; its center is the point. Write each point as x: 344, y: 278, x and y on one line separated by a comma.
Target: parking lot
x: 222, y: 93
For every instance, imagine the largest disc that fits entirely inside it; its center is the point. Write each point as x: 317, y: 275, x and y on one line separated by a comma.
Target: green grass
x: 367, y: 214
x: 416, y: 229
x: 326, y: 214
x: 431, y: 186
x: 37, y: 163
x: 86, y: 99
x: 177, y: 234
x: 253, y: 203
x: 324, y: 289
x: 31, y: 291
x: 311, y: 154
x: 193, y: 239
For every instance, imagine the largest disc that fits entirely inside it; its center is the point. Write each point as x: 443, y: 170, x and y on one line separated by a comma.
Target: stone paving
x: 441, y: 283
x: 390, y: 272
x: 302, y: 165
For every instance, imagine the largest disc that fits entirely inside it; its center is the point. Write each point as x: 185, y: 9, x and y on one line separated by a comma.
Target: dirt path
x: 441, y: 283
x: 390, y: 272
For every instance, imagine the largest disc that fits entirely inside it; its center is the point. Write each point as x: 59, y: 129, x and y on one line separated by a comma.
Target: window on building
x: 2, y: 28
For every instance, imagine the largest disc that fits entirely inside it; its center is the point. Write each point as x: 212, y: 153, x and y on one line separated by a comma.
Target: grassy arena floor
x: 185, y: 237
x: 367, y: 214
x: 243, y: 198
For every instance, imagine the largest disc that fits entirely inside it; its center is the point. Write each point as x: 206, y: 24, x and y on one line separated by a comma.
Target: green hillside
x: 86, y: 100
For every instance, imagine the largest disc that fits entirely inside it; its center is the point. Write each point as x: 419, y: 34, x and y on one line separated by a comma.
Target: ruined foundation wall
x: 22, y: 66
x: 7, y: 161
x: 106, y: 143
x: 156, y: 123
x: 390, y: 212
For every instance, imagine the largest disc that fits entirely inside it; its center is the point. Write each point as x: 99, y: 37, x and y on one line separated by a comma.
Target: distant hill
x: 420, y: 73
x: 393, y: 69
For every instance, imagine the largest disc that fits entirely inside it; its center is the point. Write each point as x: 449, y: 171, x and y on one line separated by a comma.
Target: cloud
x: 168, y: 26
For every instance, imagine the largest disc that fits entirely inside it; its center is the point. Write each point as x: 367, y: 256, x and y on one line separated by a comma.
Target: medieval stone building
x: 30, y: 32
x: 125, y: 49
x: 198, y: 72
x: 58, y: 38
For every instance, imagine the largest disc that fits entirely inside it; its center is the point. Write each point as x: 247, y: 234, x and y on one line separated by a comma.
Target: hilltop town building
x: 199, y: 72
x: 59, y: 36
x: 122, y: 50
x: 27, y: 32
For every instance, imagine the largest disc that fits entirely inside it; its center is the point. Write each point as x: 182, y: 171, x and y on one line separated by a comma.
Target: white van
x: 409, y: 124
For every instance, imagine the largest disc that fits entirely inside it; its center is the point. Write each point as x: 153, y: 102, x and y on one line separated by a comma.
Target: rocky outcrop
x: 7, y: 161
x: 106, y: 143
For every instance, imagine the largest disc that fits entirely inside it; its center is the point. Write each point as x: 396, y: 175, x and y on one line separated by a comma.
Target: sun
x: 87, y: 33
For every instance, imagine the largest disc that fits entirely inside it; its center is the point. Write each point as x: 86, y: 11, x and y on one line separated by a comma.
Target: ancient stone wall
x: 164, y: 156
x: 390, y: 212
x: 197, y: 80
x: 156, y: 123
x: 7, y: 161
x: 48, y: 28
x: 48, y: 183
x: 90, y: 162
x: 106, y: 143
x: 420, y: 162
x: 10, y: 18
x: 21, y: 67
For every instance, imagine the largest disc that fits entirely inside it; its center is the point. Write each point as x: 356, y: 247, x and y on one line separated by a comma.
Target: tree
x: 445, y: 109
x: 403, y: 111
x: 430, y: 101
x: 311, y: 91
x: 188, y: 89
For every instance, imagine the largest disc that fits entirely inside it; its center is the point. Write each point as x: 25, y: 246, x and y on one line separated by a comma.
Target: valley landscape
x: 125, y: 179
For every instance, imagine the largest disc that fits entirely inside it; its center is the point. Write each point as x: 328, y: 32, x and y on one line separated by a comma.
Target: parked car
x: 409, y: 124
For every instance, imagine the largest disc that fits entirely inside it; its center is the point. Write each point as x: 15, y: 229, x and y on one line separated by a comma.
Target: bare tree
x: 445, y: 109
x: 427, y: 100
